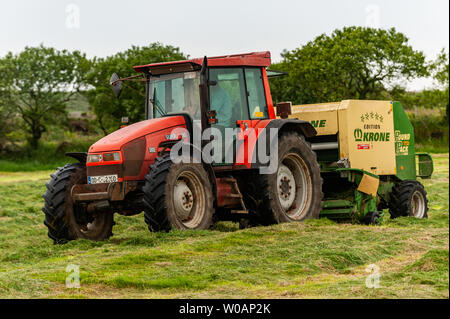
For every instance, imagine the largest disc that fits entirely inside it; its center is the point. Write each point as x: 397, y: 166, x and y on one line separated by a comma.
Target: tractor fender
x: 304, y: 128
x: 79, y: 156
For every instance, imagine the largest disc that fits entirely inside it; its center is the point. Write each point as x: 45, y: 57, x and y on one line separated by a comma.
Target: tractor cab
x: 223, y: 93
x: 235, y: 87
x: 235, y: 94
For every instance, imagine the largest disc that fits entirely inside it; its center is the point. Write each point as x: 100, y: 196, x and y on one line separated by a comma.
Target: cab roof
x: 261, y: 59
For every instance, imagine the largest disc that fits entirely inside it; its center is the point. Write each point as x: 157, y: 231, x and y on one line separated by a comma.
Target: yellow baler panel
x: 324, y: 116
x: 366, y: 135
x: 365, y: 129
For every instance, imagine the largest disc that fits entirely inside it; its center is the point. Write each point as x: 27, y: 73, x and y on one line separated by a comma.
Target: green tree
x: 6, y: 124
x: 440, y: 69
x: 4, y: 114
x: 106, y: 106
x: 355, y: 62
x: 37, y: 83
x: 440, y: 72
x: 434, y: 97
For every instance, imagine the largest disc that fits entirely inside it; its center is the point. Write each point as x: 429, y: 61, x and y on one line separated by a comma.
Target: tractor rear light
x: 108, y: 157
x: 284, y: 109
x: 94, y: 158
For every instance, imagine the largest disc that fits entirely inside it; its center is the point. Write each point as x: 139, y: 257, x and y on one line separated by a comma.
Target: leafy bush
x: 431, y: 132
x: 48, y: 155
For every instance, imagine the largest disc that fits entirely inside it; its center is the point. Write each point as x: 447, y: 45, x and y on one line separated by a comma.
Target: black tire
x: 261, y: 192
x: 162, y: 212
x: 66, y: 221
x: 408, y: 198
x: 372, y: 218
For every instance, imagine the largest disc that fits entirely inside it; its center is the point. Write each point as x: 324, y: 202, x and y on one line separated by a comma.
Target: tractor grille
x: 134, y: 153
x: 101, y: 170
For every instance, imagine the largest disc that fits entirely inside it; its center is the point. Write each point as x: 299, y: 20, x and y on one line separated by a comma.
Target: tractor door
x: 228, y: 97
x: 236, y: 94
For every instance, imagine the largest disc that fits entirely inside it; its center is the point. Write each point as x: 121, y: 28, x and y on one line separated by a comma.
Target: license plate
x: 105, y: 179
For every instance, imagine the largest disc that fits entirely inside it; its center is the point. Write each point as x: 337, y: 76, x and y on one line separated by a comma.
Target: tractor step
x: 233, y: 198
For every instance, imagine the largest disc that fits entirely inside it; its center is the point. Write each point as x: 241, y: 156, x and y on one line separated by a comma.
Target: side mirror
x: 116, y: 84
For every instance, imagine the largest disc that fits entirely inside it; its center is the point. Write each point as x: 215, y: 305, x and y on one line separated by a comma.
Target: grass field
x: 315, y: 259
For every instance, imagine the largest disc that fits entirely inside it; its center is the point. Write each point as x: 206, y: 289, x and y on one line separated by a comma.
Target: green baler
x: 368, y: 161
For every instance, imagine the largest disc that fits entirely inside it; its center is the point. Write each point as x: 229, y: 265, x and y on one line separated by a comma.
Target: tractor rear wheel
x: 68, y: 221
x: 294, y: 192
x: 177, y: 196
x: 408, y: 198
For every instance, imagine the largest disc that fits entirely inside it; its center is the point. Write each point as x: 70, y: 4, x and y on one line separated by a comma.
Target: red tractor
x: 133, y: 169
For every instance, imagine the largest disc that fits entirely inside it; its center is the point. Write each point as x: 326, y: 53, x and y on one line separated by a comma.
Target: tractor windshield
x: 175, y: 93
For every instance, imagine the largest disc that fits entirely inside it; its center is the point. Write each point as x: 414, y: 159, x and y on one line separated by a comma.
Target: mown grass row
x: 318, y: 258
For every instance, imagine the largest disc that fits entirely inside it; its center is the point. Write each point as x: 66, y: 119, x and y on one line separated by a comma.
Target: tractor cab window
x: 175, y: 93
x: 256, y: 96
x: 228, y: 96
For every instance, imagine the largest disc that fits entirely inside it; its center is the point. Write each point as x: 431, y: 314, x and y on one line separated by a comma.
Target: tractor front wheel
x: 68, y: 221
x: 408, y: 198
x: 177, y: 196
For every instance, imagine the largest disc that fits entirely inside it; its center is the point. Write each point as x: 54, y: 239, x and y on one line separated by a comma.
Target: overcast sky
x: 201, y: 27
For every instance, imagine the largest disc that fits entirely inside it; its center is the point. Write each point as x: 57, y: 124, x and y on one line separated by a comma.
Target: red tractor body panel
x: 138, y: 145
x: 115, y: 140
x: 268, y: 95
x: 250, y: 137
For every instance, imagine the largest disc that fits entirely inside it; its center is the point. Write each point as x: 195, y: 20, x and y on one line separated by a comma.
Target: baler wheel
x: 408, y: 198
x: 65, y: 220
x: 294, y: 193
x: 177, y: 196
x: 372, y: 218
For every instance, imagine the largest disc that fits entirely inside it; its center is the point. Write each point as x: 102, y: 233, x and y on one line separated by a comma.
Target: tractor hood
x: 115, y: 140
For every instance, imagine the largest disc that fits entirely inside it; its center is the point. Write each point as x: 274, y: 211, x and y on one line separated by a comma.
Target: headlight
x: 93, y: 158
x: 111, y: 156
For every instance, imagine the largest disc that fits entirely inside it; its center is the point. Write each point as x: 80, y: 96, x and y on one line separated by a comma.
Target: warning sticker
x: 363, y: 146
